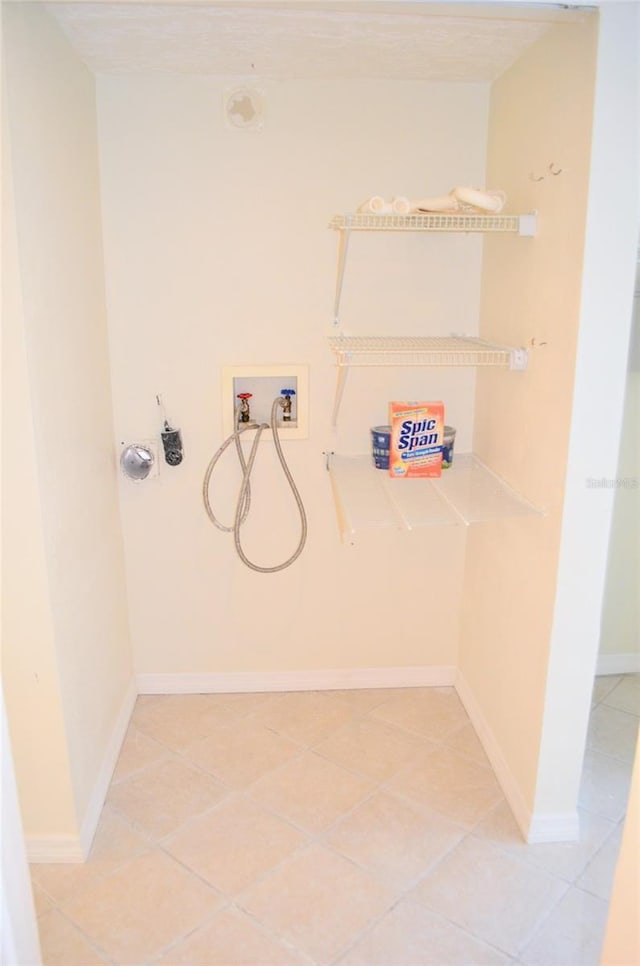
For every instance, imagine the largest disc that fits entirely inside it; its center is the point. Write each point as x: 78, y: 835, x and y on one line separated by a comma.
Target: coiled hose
x: 244, y: 497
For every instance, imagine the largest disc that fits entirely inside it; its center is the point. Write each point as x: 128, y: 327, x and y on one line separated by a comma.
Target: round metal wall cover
x: 136, y: 462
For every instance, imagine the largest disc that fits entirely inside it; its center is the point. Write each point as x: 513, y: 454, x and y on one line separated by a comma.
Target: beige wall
x: 70, y: 508
x: 29, y: 669
x: 611, y: 243
x: 622, y: 939
x: 19, y: 941
x: 541, y: 112
x: 217, y: 253
x: 620, y: 631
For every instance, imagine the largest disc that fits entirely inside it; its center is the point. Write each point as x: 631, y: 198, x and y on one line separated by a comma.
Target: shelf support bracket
x: 519, y: 359
x: 528, y: 224
x: 343, y: 248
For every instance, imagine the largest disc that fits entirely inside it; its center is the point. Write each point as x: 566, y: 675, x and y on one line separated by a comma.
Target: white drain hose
x: 244, y: 497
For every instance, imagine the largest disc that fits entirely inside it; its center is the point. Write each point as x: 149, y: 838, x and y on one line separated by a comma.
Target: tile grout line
x: 605, y: 844
x: 408, y: 890
x: 505, y: 849
x: 542, y: 919
x: 365, y: 716
x: 178, y: 940
x: 318, y: 837
x: 313, y: 838
x: 273, y: 934
x: 96, y: 947
x: 408, y: 893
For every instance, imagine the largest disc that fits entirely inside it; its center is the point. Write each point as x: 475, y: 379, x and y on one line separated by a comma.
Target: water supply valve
x: 286, y: 408
x: 245, y: 412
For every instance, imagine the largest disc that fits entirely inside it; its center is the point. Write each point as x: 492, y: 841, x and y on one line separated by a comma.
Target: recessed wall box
x: 266, y: 383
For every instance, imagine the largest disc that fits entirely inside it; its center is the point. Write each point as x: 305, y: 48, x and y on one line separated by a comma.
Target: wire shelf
x: 519, y: 224
x: 467, y: 493
x: 423, y: 351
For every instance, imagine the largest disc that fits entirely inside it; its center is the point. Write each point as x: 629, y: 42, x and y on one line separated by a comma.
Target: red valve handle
x: 245, y: 395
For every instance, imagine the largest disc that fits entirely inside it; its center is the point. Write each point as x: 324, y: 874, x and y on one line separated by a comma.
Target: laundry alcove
x: 150, y: 244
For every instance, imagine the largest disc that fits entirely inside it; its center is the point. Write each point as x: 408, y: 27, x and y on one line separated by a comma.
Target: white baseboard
x: 534, y: 827
x: 54, y: 848
x: 76, y: 848
x: 618, y: 663
x: 554, y: 828
x: 316, y: 680
x: 109, y: 760
x: 492, y: 749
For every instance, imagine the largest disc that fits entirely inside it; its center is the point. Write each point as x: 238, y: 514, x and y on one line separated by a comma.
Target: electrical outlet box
x: 265, y: 383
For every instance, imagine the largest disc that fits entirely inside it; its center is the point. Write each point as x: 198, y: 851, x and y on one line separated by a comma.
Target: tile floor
x: 346, y: 827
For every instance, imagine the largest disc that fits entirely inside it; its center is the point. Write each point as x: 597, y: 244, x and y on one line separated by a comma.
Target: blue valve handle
x: 287, y: 392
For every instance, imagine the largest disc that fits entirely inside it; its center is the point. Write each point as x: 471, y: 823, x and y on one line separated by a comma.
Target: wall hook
x: 555, y: 173
x: 532, y: 177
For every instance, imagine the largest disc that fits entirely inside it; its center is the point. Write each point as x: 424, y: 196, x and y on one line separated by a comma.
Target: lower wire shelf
x: 468, y: 492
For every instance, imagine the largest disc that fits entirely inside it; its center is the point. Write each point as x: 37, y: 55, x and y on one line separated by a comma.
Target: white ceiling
x: 423, y: 41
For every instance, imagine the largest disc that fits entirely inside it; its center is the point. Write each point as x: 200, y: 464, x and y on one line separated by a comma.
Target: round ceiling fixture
x: 244, y: 108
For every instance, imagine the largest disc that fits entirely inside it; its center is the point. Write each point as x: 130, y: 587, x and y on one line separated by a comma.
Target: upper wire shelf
x: 431, y: 221
x: 524, y: 225
x: 424, y: 351
x: 460, y: 350
x: 383, y: 351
